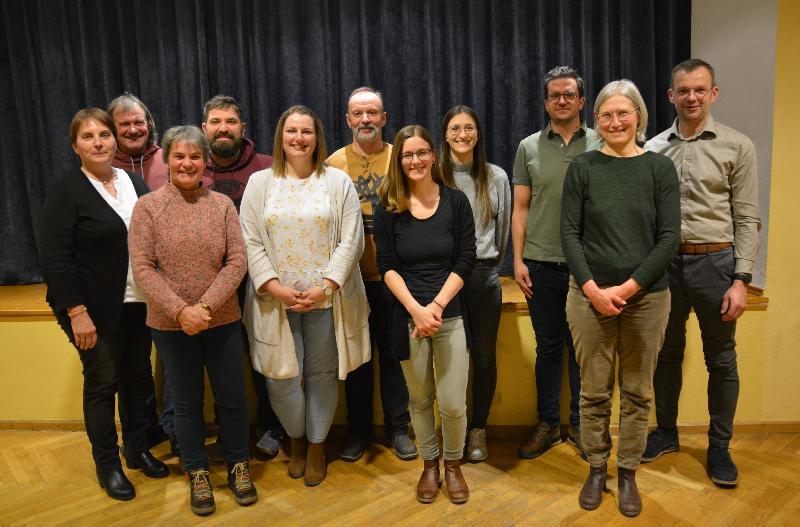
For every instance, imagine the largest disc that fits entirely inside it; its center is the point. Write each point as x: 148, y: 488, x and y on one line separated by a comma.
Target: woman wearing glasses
x: 620, y: 225
x: 489, y: 194
x: 306, y: 310
x: 425, y: 240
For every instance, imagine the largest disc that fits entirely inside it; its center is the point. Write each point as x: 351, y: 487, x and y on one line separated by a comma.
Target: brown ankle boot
x: 630, y: 503
x: 297, y: 457
x: 429, y: 482
x: 316, y: 464
x: 592, y: 492
x: 457, y: 488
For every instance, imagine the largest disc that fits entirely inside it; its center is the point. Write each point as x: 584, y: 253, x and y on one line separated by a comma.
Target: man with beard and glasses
x: 367, y: 160
x: 137, y: 150
x: 233, y: 160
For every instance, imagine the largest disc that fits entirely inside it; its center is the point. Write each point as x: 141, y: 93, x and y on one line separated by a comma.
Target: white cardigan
x: 271, y: 343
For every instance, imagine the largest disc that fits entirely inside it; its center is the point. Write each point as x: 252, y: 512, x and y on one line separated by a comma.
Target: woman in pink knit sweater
x: 188, y: 258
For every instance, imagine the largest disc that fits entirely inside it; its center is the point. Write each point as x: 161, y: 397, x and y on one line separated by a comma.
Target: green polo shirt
x: 541, y: 163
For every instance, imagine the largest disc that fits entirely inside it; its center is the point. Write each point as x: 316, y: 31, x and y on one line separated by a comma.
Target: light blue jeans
x: 306, y: 404
x: 446, y: 351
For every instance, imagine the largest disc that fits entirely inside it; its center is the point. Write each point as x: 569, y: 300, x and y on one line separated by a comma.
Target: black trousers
x: 699, y: 281
x: 360, y: 383
x: 118, y: 364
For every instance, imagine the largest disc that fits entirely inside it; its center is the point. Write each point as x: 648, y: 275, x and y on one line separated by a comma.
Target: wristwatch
x: 328, y: 290
x: 744, y: 277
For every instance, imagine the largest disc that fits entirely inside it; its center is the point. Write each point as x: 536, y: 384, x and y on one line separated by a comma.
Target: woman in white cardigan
x: 306, y: 309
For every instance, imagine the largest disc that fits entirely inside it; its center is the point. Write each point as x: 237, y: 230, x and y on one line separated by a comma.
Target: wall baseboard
x: 498, y: 431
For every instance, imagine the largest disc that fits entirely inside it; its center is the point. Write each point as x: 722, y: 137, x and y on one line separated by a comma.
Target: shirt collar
x: 710, y: 127
x: 548, y: 130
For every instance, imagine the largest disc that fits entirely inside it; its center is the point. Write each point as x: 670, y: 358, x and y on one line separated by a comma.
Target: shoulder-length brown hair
x: 480, y: 168
x: 393, y: 191
x: 320, y: 152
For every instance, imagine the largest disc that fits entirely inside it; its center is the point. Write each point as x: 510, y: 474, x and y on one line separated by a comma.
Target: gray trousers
x: 306, y: 404
x: 446, y: 351
x: 700, y: 281
x: 635, y: 336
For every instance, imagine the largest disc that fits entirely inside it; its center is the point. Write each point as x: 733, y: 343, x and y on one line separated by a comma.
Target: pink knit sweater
x: 185, y: 248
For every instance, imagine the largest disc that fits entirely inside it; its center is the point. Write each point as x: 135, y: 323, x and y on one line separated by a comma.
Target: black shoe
x: 659, y: 442
x: 116, y: 484
x: 403, y: 446
x: 244, y: 492
x: 354, y: 447
x: 174, y: 447
x: 152, y: 467
x: 201, y: 497
x: 721, y: 468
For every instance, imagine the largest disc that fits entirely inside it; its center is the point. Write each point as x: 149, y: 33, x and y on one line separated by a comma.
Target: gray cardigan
x: 271, y: 343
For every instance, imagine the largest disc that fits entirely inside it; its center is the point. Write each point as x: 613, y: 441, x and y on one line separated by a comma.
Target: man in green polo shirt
x: 539, y: 265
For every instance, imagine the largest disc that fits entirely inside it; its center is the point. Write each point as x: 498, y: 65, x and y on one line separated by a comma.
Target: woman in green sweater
x: 620, y: 225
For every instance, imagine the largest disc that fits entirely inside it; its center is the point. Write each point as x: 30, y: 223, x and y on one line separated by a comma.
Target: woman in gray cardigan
x: 301, y: 222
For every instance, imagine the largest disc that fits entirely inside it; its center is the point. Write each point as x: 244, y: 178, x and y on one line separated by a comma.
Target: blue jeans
x: 484, y: 298
x: 219, y: 350
x: 306, y: 404
x: 359, y: 385
x: 266, y: 419
x: 548, y: 316
x: 700, y: 281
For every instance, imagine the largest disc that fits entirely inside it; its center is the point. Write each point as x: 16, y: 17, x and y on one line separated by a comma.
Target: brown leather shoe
x: 457, y: 489
x: 630, y: 503
x: 429, y: 482
x: 592, y: 492
x: 540, y: 441
x: 316, y: 464
x: 297, y: 457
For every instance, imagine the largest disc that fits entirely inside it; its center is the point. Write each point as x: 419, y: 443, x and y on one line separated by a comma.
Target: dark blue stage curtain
x: 57, y: 56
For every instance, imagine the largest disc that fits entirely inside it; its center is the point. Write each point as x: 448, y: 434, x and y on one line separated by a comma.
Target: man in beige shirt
x: 719, y: 243
x: 367, y: 160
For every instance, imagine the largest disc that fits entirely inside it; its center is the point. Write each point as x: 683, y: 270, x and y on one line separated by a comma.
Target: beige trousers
x: 633, y: 338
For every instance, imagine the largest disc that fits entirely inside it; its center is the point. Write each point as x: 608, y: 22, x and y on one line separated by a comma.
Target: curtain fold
x: 57, y: 56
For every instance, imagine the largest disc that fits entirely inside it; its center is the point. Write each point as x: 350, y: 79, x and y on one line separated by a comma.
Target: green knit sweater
x: 620, y: 218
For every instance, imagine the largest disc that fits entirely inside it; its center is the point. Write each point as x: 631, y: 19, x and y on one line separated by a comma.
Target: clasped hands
x: 610, y: 301
x: 427, y: 320
x: 194, y: 319
x: 294, y: 300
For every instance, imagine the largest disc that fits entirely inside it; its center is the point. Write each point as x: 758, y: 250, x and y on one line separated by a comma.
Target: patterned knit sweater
x: 186, y: 247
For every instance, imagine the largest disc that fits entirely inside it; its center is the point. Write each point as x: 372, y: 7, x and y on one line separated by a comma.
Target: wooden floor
x: 47, y: 478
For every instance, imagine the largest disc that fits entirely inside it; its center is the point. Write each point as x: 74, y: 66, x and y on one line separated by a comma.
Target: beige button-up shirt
x: 719, y: 188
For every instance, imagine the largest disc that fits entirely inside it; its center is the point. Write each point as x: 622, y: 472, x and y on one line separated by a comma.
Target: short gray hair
x: 627, y: 89
x: 185, y: 134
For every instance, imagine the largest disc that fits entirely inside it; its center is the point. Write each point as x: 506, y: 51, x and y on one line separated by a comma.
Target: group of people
x: 304, y: 261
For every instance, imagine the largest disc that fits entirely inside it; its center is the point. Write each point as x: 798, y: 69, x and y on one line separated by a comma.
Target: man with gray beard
x: 367, y: 160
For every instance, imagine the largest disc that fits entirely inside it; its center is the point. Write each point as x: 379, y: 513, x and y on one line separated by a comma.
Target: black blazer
x: 83, y: 250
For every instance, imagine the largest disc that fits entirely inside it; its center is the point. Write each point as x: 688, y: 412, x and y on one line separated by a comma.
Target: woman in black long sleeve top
x: 425, y: 240
x: 84, y: 258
